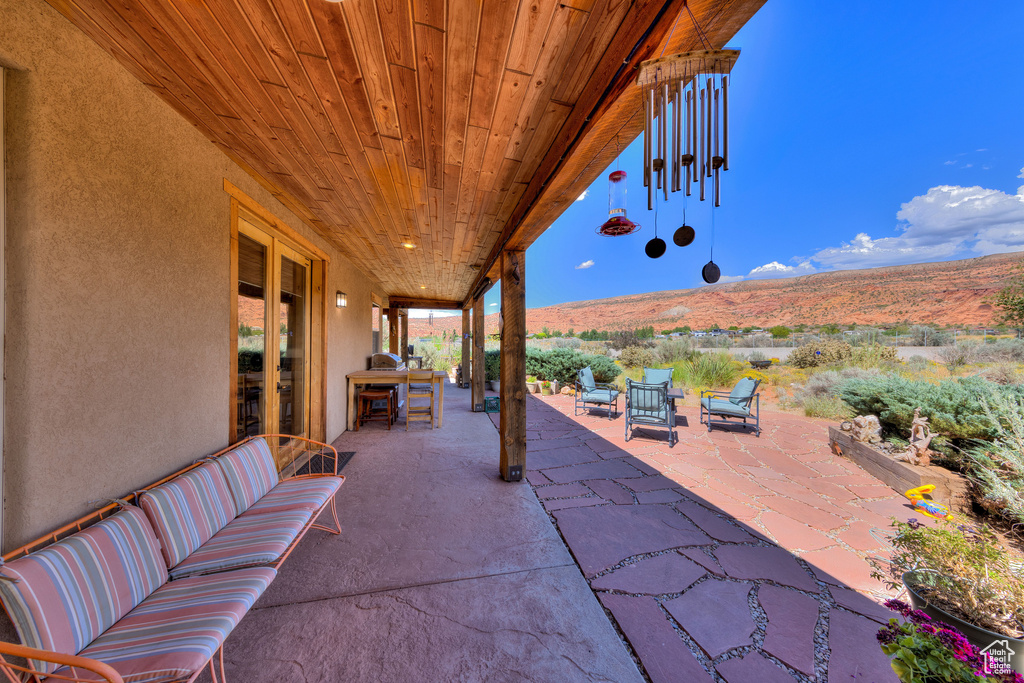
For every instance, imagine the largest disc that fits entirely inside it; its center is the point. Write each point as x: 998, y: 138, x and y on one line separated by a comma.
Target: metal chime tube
x: 648, y: 161
x: 714, y: 159
x: 701, y: 148
x: 659, y: 155
x: 676, y: 151
x: 725, y: 123
x: 707, y: 140
x: 686, y: 137
x: 663, y: 130
x: 693, y: 129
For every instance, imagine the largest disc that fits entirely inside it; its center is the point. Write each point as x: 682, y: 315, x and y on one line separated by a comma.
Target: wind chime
x: 686, y: 125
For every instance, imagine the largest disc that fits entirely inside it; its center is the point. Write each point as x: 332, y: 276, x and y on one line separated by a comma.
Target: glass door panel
x: 293, y: 347
x: 252, y: 341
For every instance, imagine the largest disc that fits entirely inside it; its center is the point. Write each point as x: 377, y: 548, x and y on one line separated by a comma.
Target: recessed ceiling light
x: 408, y: 245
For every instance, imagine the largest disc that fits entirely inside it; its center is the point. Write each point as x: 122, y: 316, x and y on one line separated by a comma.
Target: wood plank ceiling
x: 455, y: 126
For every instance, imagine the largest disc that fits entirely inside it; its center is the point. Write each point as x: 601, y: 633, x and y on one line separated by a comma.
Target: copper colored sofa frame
x: 15, y: 664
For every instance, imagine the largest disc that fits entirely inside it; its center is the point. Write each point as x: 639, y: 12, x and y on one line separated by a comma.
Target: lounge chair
x: 648, y: 405
x: 589, y: 391
x: 743, y: 402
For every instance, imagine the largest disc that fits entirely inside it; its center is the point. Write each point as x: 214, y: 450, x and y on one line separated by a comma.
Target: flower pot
x: 496, y: 385
x: 546, y: 390
x: 979, y: 637
x: 533, y: 387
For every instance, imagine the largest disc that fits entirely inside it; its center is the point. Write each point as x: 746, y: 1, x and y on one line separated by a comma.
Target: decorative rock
x: 668, y: 573
x: 720, y: 628
x: 663, y: 653
x: 864, y: 428
x: 567, y: 391
x: 752, y: 667
x: 774, y: 564
x: 792, y: 617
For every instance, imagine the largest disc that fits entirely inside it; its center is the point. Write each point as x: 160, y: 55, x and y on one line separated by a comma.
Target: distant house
x: 699, y: 333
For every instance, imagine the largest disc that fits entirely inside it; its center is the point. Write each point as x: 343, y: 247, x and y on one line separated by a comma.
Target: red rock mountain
x: 945, y: 293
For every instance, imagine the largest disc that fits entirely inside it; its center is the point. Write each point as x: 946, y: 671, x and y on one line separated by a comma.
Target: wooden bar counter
x: 390, y: 377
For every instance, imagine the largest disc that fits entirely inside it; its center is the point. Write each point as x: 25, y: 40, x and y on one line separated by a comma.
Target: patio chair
x: 647, y: 405
x: 742, y: 403
x: 656, y: 376
x: 589, y: 391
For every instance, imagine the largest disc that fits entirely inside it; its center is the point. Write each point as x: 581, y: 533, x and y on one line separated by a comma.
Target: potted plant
x: 492, y: 370
x: 923, y: 651
x: 545, y: 387
x: 531, y: 384
x: 961, y: 576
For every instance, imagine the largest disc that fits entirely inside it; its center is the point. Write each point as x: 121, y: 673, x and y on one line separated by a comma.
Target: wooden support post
x: 478, y: 355
x: 513, y: 365
x: 466, y: 350
x: 404, y: 352
x: 393, y: 330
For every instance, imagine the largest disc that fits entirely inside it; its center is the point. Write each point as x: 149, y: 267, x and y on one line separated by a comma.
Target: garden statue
x: 920, y: 438
x: 865, y: 429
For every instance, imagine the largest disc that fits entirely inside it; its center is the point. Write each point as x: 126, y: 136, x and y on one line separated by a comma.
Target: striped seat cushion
x: 177, y: 629
x: 70, y: 592
x: 188, y: 510
x: 297, y: 494
x: 245, y: 542
x: 250, y: 472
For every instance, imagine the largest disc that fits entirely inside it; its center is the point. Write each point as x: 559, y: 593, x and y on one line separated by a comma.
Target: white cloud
x: 730, y: 278
x: 586, y: 264
x: 1021, y: 176
x: 492, y: 304
x: 969, y: 166
x: 983, y: 149
x: 949, y: 163
x: 776, y: 270
x: 583, y: 196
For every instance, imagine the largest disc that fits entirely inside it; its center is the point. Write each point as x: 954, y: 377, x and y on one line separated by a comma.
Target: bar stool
x: 366, y: 411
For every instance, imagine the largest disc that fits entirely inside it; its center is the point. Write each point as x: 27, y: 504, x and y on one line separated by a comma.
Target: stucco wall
x: 117, y: 349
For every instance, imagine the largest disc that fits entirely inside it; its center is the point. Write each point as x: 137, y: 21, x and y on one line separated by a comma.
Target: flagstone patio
x: 727, y: 557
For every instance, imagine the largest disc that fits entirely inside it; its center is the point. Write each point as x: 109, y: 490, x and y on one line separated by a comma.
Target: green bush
x: 250, y: 361
x: 954, y: 408
x: 675, y: 350
x: 636, y: 357
x: 561, y: 364
x: 492, y: 365
x: 998, y: 467
x: 707, y: 370
x: 826, y: 406
x: 874, y: 355
x: 821, y: 353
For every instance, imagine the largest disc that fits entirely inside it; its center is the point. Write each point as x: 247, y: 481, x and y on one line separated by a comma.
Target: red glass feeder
x: 617, y: 223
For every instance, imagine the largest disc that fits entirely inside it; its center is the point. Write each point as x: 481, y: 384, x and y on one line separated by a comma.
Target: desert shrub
x: 1002, y: 351
x: 956, y: 356
x: 717, y: 342
x: 707, y: 370
x: 594, y: 348
x: 821, y: 353
x: 829, y: 407
x: 492, y: 365
x: 1004, y: 373
x: 825, y: 384
x: 874, y: 355
x: 922, y: 335
x: 566, y: 343
x: 757, y: 355
x: 955, y: 408
x: 626, y: 338
x: 562, y: 365
x: 998, y: 467
x: 674, y: 350
x: 636, y: 357
x: 917, y: 363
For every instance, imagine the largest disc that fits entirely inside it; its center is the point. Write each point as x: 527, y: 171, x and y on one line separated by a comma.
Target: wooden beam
x: 478, y: 355
x: 513, y: 366
x: 436, y: 304
x: 404, y: 351
x: 393, y: 330
x: 467, y: 352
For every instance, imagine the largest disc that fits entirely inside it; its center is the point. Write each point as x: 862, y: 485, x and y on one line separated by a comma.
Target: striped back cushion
x: 250, y: 471
x: 69, y: 593
x: 188, y: 510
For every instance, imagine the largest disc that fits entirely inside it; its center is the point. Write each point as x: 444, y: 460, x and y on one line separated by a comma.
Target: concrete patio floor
x: 442, y: 572
x: 727, y: 557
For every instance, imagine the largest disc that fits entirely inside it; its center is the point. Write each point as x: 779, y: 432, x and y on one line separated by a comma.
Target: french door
x: 274, y: 312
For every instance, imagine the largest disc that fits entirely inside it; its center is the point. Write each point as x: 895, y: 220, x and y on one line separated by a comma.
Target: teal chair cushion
x: 741, y: 393
x: 722, y: 407
x: 652, y: 416
x: 599, y: 396
x: 586, y: 376
x: 653, y: 376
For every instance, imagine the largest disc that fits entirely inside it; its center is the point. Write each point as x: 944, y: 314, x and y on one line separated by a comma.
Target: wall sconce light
x: 342, y: 300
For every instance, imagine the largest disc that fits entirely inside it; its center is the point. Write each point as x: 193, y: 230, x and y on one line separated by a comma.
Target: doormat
x: 316, y: 464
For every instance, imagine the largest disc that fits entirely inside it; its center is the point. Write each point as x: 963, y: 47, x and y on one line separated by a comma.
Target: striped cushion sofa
x: 149, y: 593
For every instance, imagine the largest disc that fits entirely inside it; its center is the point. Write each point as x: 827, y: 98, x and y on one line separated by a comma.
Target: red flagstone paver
x: 562, y: 491
x: 720, y: 501
x: 712, y: 524
x: 569, y: 503
x: 858, y: 536
x: 792, y: 617
x: 601, y: 537
x: 561, y: 457
x: 815, y: 517
x: 668, y: 573
x: 752, y: 667
x: 664, y: 656
x: 647, y: 483
x: 537, y: 478
x: 855, y: 654
x: 611, y: 491
x: 703, y: 559
x: 842, y: 567
x: 870, y: 490
x: 771, y: 563
x: 793, y: 535
x: 861, y: 604
x: 605, y: 469
x: 721, y: 628
x: 661, y: 496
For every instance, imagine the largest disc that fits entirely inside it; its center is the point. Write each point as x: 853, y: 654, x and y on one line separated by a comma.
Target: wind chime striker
x: 617, y: 223
x: 686, y: 121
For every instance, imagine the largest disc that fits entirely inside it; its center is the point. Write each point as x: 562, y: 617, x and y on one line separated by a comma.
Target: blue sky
x: 861, y: 134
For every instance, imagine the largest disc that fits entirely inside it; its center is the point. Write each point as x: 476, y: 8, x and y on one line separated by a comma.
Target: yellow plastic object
x: 926, y: 506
